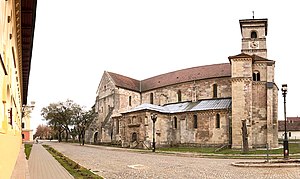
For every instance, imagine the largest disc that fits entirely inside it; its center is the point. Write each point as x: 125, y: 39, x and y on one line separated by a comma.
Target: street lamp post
x: 285, y: 141
x: 153, y: 117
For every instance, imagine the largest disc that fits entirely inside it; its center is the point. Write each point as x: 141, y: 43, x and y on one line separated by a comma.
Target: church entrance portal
x: 134, y: 137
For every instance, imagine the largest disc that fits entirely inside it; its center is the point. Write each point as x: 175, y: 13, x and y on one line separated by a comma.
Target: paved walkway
x: 21, y: 170
x: 43, y: 166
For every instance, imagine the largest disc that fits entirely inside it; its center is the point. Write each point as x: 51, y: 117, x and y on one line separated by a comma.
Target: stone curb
x: 271, y: 164
x: 189, y: 154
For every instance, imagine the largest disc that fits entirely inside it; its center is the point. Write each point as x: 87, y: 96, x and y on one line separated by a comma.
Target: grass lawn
x: 77, y: 171
x: 27, y: 149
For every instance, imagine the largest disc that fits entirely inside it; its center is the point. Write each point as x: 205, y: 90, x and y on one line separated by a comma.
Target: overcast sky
x: 75, y: 41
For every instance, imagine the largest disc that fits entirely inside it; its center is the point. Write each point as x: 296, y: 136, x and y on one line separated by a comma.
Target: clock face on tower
x: 254, y: 44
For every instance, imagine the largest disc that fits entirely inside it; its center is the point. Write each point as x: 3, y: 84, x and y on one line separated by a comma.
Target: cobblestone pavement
x: 116, y: 163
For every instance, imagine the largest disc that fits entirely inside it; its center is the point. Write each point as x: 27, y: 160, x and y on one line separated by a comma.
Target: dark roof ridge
x: 188, y: 101
x: 206, y: 99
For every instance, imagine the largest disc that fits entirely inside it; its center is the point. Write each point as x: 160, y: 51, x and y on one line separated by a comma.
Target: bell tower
x: 254, y: 32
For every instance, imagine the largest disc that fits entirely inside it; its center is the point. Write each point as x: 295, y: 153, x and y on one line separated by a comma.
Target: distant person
x: 37, y: 140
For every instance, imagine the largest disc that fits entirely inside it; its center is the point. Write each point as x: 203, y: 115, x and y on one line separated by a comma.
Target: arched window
x: 256, y: 76
x: 129, y: 101
x: 253, y: 35
x: 95, y: 137
x: 175, y: 122
x: 195, y: 121
x: 218, y: 121
x: 215, y: 90
x: 151, y: 98
x: 134, y: 120
x: 179, y: 96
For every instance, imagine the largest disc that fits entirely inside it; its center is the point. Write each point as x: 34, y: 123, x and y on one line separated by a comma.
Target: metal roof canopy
x: 202, y: 105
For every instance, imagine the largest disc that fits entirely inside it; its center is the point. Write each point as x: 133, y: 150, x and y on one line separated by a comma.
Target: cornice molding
x: 251, y: 39
x: 252, y: 50
x: 241, y: 79
x: 259, y: 83
x: 241, y: 59
x: 19, y: 41
x: 260, y: 64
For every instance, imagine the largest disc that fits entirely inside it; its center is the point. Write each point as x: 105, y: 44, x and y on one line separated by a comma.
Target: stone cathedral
x: 224, y: 104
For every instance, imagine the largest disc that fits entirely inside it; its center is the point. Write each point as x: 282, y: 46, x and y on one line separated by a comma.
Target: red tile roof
x: 186, y: 75
x: 125, y: 82
x: 293, y: 119
x: 292, y: 124
x: 171, y: 78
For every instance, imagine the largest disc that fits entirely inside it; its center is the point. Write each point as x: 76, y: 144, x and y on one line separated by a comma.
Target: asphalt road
x: 119, y: 163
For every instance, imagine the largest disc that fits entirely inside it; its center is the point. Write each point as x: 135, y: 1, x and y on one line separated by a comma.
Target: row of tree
x: 68, y: 118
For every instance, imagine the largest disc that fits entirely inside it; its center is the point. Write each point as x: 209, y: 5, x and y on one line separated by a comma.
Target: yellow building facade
x: 17, y: 19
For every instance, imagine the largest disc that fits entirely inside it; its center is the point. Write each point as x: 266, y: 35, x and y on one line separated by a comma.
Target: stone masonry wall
x: 190, y: 91
x: 123, y: 97
x: 241, y: 70
x: 275, y: 117
x: 259, y: 116
x: 167, y: 133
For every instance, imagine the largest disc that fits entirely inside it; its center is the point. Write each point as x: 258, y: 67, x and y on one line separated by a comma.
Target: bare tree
x: 245, y: 136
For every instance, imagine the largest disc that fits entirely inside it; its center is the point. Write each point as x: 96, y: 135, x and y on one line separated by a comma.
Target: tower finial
x: 253, y: 14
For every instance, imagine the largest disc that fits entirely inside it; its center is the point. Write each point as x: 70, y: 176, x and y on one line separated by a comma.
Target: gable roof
x: 241, y: 55
x: 254, y: 57
x: 292, y: 124
x: 125, y: 82
x: 171, y: 78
